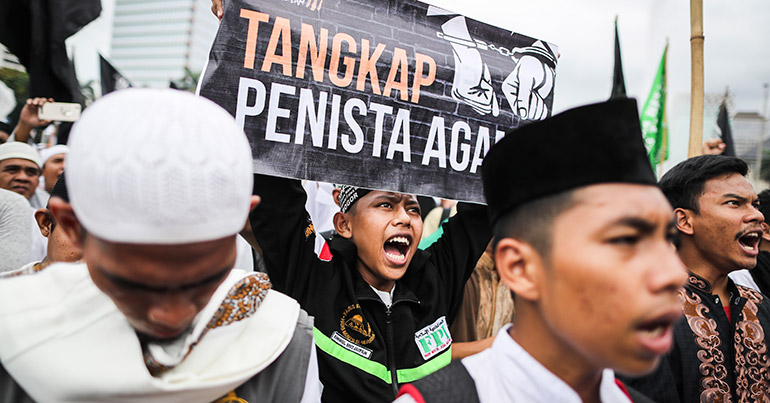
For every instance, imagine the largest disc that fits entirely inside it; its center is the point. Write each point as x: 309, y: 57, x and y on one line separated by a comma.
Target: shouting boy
x: 382, y: 307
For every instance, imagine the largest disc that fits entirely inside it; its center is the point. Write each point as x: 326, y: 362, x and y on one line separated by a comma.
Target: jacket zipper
x: 391, y: 358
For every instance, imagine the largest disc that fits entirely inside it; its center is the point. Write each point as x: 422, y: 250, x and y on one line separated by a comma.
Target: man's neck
x: 699, y: 265
x: 534, y: 337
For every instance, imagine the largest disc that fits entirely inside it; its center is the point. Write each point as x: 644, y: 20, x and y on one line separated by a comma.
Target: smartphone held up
x: 59, y: 111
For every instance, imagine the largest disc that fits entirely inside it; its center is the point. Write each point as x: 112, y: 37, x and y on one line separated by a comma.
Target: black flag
x: 725, y: 133
x: 35, y: 31
x: 111, y: 78
x: 618, y: 82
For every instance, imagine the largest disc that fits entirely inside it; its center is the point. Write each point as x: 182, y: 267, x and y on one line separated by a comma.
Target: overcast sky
x: 736, y: 52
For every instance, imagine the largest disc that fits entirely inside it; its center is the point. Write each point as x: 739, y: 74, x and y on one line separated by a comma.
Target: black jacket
x: 364, y: 349
x: 714, y: 359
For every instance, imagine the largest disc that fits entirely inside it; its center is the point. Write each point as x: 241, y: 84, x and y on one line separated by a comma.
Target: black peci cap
x: 599, y: 143
x: 60, y: 189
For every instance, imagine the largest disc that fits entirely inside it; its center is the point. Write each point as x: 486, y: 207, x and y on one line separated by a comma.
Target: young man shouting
x: 583, y: 239
x: 720, y: 347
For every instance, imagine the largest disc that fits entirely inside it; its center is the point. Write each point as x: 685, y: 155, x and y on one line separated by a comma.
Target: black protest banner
x: 395, y: 95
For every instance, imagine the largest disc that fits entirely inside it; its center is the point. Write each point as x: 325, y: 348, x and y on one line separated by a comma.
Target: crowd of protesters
x: 124, y: 285
x: 145, y: 261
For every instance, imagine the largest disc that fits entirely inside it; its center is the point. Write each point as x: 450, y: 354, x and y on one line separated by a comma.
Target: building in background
x: 747, y: 128
x: 154, y: 41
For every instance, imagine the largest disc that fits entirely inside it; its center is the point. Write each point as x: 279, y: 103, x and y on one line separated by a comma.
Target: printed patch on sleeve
x: 348, y: 345
x: 433, y: 339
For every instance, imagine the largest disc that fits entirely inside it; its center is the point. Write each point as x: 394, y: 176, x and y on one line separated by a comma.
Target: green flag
x: 654, y: 116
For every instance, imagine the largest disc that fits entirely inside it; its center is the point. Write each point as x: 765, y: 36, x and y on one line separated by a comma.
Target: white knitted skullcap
x: 16, y: 149
x: 154, y: 166
x: 47, y: 153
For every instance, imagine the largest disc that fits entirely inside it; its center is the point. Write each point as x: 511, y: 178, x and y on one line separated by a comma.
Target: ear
x: 66, y: 219
x: 519, y: 267
x: 342, y: 225
x: 255, y: 200
x: 247, y: 233
x: 336, y: 195
x: 683, y: 220
x: 43, y: 218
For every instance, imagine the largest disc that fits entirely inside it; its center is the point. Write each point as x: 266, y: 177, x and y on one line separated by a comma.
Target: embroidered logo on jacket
x: 354, y: 327
x: 362, y: 351
x: 433, y: 339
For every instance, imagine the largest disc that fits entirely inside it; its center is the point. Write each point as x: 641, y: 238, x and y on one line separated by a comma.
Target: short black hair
x: 532, y: 222
x: 764, y: 202
x: 683, y: 184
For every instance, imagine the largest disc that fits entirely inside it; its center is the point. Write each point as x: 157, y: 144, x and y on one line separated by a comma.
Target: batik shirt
x: 713, y: 358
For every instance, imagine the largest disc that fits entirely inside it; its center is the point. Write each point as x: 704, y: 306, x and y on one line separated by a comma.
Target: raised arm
x: 285, y: 233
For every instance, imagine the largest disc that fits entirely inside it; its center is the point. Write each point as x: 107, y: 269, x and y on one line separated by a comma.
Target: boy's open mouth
x: 397, y: 248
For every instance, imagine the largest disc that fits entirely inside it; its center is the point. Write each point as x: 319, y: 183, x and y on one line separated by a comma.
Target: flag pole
x: 696, y: 89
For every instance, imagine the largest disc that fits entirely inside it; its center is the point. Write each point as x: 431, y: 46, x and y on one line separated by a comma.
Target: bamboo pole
x: 696, y: 89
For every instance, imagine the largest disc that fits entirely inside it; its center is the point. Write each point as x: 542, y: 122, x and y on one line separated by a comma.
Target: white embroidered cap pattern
x: 153, y: 166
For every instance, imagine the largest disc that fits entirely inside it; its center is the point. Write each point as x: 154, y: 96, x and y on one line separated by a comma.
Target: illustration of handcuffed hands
x: 527, y: 87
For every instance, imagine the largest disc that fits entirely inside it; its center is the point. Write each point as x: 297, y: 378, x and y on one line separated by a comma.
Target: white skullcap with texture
x: 15, y: 149
x: 152, y: 166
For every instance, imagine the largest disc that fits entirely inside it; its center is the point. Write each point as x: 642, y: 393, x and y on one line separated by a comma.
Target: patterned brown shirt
x: 714, y: 360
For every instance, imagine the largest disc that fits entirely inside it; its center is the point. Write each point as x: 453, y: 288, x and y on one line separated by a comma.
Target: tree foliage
x: 18, y: 81
x: 187, y: 83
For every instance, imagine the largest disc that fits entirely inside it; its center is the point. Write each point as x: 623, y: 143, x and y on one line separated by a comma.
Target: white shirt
x: 40, y: 358
x: 505, y: 372
x: 743, y: 277
x: 385, y: 296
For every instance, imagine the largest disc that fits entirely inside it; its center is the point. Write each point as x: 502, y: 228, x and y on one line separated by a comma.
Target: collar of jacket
x: 344, y: 249
x: 698, y: 283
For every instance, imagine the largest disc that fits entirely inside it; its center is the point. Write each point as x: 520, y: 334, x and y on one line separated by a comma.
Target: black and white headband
x: 349, y: 195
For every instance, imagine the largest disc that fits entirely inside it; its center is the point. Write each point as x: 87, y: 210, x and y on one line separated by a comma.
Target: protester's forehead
x: 384, y: 194
x: 611, y: 201
x: 729, y: 184
x: 161, y: 262
x: 18, y: 161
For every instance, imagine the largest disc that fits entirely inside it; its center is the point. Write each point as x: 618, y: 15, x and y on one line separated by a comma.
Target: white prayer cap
x: 47, y: 153
x: 17, y: 149
x: 152, y: 166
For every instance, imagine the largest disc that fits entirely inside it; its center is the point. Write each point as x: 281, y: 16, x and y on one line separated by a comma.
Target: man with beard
x: 159, y: 185
x: 720, y: 351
